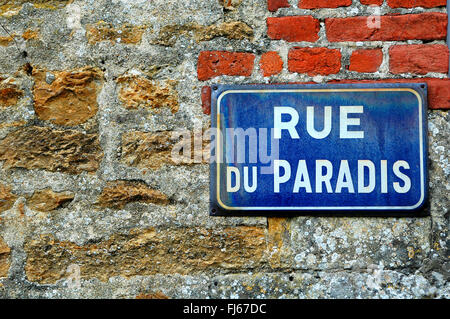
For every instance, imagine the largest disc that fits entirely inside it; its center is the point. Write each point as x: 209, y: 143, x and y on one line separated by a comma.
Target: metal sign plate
x: 315, y: 149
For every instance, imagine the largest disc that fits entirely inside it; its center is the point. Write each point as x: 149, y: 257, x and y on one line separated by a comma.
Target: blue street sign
x: 310, y: 149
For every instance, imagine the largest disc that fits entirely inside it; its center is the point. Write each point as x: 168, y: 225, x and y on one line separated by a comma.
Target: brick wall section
x: 418, y: 58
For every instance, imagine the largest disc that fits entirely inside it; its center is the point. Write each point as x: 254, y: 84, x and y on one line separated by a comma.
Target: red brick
x: 315, y: 4
x: 423, y: 26
x: 293, y: 29
x: 271, y: 63
x: 438, y: 89
x: 216, y: 63
x: 274, y: 5
x: 206, y: 99
x: 314, y: 61
x: 373, y: 2
x: 416, y: 3
x: 366, y: 60
x: 418, y: 58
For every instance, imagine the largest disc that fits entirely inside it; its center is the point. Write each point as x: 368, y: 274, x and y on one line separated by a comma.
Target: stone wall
x: 93, y: 205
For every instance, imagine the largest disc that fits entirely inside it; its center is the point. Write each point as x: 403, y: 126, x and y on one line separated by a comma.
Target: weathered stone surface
x: 314, y: 61
x: 278, y: 241
x: 8, y: 7
x: 119, y: 193
x: 30, y: 34
x: 9, y: 92
x: 5, y: 41
x: 271, y: 63
x: 140, y: 92
x: 150, y: 150
x: 4, y: 258
x: 418, y: 58
x: 314, y: 4
x: 102, y: 31
x: 350, y: 243
x: 66, y: 97
x: 146, y: 252
x: 232, y: 30
x: 65, y: 151
x: 366, y: 60
x: 230, y: 4
x: 206, y: 99
x: 153, y: 150
x: 7, y: 198
x: 216, y: 63
x: 47, y: 200
x: 424, y: 26
x: 156, y: 295
x: 303, y: 257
